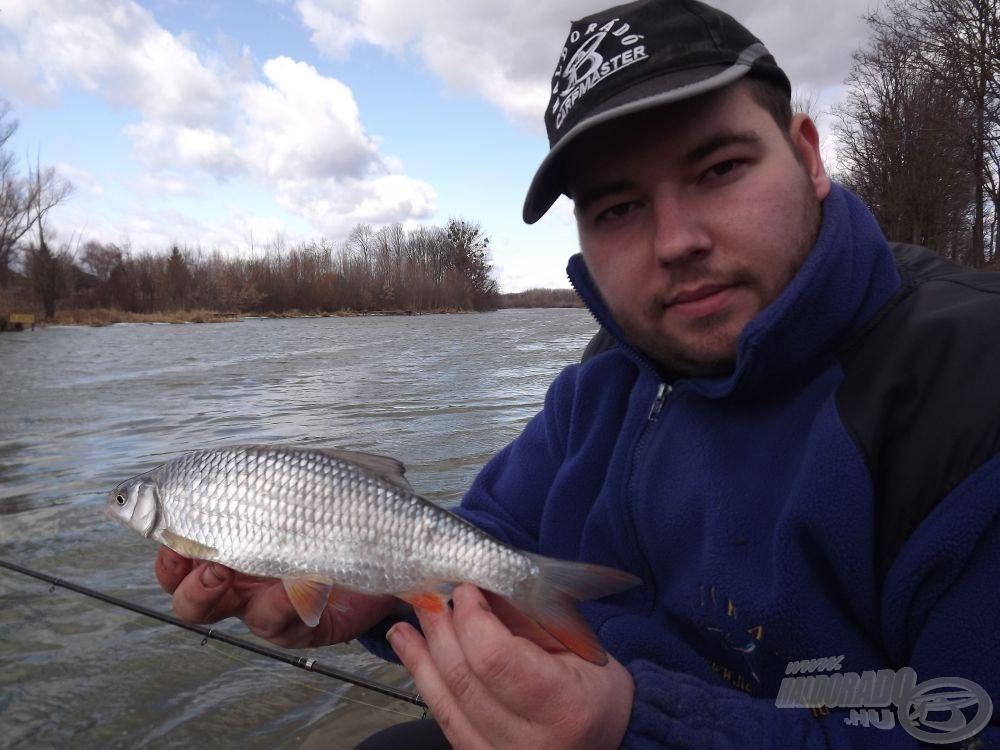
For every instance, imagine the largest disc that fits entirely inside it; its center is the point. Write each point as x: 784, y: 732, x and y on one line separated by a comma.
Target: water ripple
x: 83, y: 408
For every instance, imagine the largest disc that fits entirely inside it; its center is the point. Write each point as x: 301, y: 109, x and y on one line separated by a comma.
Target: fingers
x: 467, y: 666
x: 269, y: 614
x: 412, y: 649
x: 170, y: 569
x: 520, y: 675
x: 205, y: 594
x: 487, y: 686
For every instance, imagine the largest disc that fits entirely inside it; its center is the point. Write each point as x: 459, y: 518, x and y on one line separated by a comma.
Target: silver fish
x: 325, y: 518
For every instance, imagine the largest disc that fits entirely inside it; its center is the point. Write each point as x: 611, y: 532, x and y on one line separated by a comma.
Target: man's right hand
x: 206, y: 592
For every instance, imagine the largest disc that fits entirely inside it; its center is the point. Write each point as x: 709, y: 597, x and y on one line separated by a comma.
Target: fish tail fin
x: 549, y: 599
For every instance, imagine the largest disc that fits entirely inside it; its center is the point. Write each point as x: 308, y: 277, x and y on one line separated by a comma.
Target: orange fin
x: 559, y: 585
x: 333, y: 600
x: 309, y: 596
x: 431, y: 601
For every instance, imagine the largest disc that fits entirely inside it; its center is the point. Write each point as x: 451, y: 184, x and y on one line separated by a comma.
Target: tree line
x: 386, y: 269
x: 383, y: 269
x: 918, y: 132
x: 918, y: 138
x: 541, y: 298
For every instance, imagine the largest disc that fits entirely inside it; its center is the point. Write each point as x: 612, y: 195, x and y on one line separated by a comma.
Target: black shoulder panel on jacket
x: 921, y: 393
x: 599, y: 342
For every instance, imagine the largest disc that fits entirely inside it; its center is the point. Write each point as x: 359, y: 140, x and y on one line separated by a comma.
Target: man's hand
x: 488, y: 687
x: 208, y: 592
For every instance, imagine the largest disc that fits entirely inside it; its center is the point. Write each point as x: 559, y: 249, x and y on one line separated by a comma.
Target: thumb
x: 205, y: 594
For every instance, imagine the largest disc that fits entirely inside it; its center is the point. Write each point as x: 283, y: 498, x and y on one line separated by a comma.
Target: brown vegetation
x: 102, y: 316
x: 920, y: 127
x: 386, y: 270
x: 541, y: 298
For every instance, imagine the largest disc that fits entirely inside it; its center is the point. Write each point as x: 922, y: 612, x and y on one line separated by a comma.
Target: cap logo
x: 603, y: 51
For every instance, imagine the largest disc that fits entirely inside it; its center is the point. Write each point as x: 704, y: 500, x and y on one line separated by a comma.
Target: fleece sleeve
x: 941, y: 615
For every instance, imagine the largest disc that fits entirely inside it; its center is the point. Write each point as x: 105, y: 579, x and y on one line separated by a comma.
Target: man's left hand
x: 490, y: 687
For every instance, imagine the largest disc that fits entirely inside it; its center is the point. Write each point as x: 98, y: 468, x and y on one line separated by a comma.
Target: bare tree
x: 50, y: 274
x: 46, y: 190
x: 904, y: 136
x: 24, y: 201
x: 956, y: 43
x: 470, y: 250
x: 14, y: 200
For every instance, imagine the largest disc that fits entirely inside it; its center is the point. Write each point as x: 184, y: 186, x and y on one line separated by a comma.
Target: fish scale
x: 321, y: 519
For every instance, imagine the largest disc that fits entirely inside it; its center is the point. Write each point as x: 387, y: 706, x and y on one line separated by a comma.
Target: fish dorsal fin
x: 188, y: 547
x: 309, y: 596
x: 386, y: 467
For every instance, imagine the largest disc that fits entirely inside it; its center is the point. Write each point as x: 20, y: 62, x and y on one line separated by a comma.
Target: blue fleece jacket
x: 748, y: 510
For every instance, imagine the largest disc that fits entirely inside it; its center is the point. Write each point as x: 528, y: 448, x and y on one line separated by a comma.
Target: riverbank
x: 107, y: 316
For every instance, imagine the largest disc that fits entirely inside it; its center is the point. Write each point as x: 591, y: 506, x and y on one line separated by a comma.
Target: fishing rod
x: 302, y: 662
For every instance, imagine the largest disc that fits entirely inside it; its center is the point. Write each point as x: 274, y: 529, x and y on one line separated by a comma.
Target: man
x: 793, y: 442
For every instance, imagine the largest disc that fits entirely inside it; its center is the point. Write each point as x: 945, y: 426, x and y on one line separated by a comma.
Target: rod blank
x: 302, y: 662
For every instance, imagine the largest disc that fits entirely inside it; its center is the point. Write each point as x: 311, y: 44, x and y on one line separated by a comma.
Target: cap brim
x: 549, y: 183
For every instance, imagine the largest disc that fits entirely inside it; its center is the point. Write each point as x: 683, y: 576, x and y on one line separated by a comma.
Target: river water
x: 83, y: 408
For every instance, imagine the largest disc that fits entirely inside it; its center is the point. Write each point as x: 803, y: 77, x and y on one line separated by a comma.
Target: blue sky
x: 227, y: 125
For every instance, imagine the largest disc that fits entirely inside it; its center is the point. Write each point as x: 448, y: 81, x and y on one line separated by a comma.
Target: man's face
x: 693, y: 217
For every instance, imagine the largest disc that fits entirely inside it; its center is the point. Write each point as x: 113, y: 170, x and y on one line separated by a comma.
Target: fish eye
x: 121, y: 500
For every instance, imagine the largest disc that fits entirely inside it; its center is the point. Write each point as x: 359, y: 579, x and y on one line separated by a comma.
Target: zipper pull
x: 661, y: 395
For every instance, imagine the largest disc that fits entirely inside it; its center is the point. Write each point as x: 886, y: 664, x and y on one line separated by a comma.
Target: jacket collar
x: 848, y: 275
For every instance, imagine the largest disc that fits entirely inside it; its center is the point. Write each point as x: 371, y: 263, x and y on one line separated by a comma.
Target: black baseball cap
x: 633, y: 57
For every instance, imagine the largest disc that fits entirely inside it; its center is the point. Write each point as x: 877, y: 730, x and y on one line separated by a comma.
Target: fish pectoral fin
x: 333, y: 600
x: 388, y: 468
x: 188, y: 547
x: 309, y: 596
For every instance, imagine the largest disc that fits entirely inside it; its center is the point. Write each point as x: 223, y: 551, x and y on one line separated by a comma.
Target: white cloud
x: 114, y: 48
x: 334, y: 207
x: 500, y: 50
x: 303, y: 124
x: 162, y: 145
x: 158, y: 186
x: 293, y: 130
x: 505, y: 50
x: 82, y: 181
x: 332, y: 31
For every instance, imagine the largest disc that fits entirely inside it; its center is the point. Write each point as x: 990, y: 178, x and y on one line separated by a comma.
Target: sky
x: 246, y: 125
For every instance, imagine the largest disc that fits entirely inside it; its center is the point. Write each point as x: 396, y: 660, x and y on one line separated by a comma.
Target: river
x: 83, y: 408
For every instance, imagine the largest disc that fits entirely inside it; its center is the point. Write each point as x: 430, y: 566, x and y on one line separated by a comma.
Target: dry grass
x: 106, y: 316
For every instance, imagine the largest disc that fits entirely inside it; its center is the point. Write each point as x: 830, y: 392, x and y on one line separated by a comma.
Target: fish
x: 323, y: 519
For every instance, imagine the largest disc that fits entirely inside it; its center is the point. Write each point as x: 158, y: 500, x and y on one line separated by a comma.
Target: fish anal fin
x: 309, y: 596
x: 429, y: 601
x: 188, y: 547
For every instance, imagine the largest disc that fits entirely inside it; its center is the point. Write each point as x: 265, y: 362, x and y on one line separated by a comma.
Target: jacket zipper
x: 661, y: 395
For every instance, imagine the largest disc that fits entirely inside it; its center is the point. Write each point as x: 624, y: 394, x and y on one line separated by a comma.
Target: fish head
x: 135, y: 503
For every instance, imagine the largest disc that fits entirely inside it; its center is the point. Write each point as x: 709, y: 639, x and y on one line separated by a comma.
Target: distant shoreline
x: 98, y: 318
